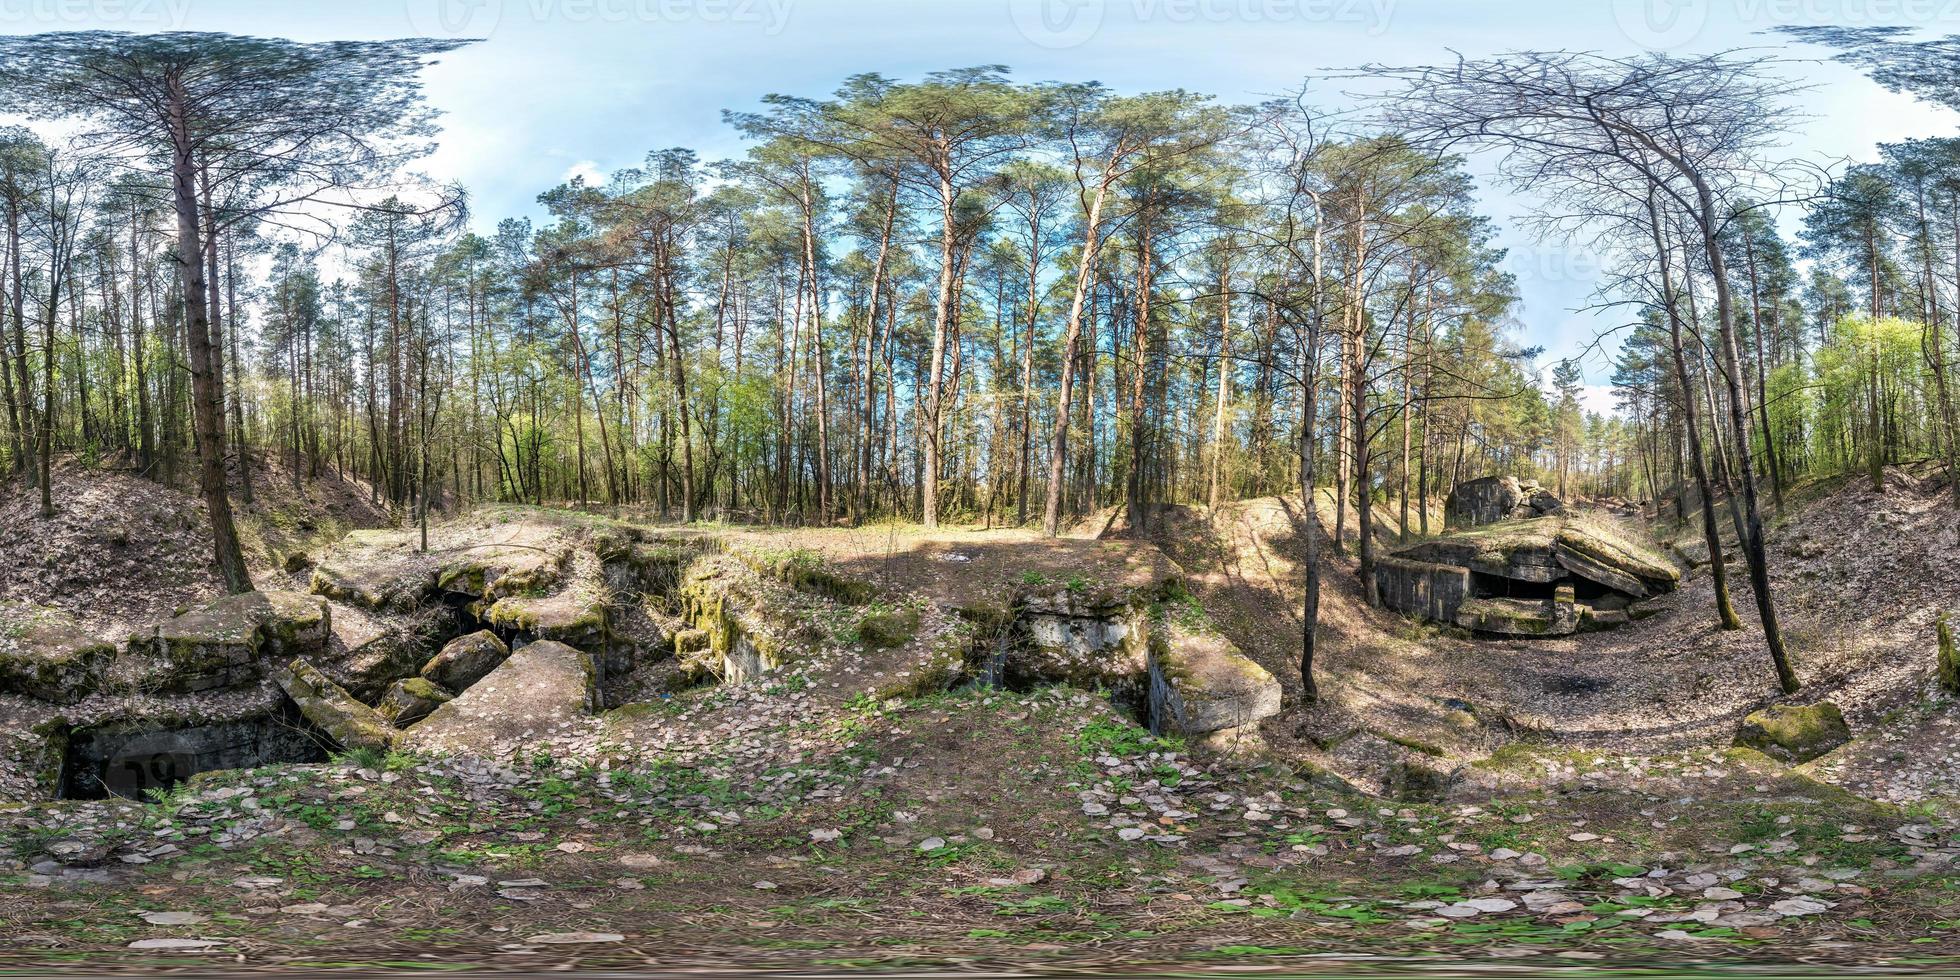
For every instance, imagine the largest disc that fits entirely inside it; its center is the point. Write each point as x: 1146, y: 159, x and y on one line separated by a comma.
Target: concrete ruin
x: 513, y: 623
x: 1540, y: 576
x: 1495, y: 499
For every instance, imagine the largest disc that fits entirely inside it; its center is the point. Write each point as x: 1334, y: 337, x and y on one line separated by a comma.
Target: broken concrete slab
x: 368, y: 651
x: 225, y: 642
x: 409, y: 700
x: 1526, y: 577
x: 542, y: 685
x: 1201, y: 685
x: 45, y: 654
x: 1494, y: 499
x: 1512, y: 617
x: 1424, y: 589
x: 1521, y: 550
x: 465, y: 660
x: 329, y: 707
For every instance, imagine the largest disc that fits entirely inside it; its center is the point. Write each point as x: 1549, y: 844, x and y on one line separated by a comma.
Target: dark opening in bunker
x: 1500, y: 587
x: 136, y: 759
x: 467, y: 622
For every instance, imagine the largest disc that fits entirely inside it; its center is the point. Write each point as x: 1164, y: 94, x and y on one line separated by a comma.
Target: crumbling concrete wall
x: 1491, y: 499
x: 1420, y: 588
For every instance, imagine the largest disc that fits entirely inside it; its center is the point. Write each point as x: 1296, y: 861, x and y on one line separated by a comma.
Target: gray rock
x: 409, y: 700
x: 540, y: 686
x: 1492, y: 499
x: 465, y: 660
x: 45, y: 654
x: 328, y: 705
x: 1419, y: 588
x: 1200, y: 684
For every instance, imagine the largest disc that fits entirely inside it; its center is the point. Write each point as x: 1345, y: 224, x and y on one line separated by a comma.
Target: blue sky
x: 587, y: 86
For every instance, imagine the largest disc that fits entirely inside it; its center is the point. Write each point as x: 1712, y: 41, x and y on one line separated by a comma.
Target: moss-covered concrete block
x: 410, y: 700
x: 887, y: 630
x: 45, y: 654
x: 465, y: 660
x: 540, y: 687
x: 1200, y: 683
x: 328, y: 705
x: 576, y: 616
x: 1795, y: 733
x: 1513, y: 617
x: 223, y: 643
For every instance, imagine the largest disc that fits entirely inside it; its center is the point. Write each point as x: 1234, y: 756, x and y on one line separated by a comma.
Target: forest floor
x: 123, y: 551
x: 1596, y: 818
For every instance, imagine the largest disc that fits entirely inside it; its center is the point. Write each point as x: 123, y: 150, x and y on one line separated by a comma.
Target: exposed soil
x: 122, y: 550
x: 1860, y: 578
x: 1536, y: 806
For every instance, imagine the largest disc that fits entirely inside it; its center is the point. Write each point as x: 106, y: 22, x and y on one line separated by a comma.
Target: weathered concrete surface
x: 1593, y: 548
x: 409, y: 700
x: 1200, y: 684
x: 751, y: 622
x: 576, y: 616
x: 328, y: 705
x: 1512, y: 617
x: 44, y: 654
x: 1088, y: 638
x: 226, y: 642
x: 1559, y: 550
x: 1520, y: 550
x: 377, y: 570
x: 368, y: 651
x: 542, y: 686
x: 1420, y: 588
x: 1493, y: 499
x: 465, y: 660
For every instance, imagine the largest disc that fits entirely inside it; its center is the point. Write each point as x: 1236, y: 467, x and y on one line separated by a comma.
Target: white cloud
x: 588, y: 169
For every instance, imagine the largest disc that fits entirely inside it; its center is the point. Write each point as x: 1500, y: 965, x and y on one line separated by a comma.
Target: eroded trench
x: 656, y: 634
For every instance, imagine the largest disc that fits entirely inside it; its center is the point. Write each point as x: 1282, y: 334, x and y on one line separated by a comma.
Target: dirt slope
x: 122, y: 550
x: 1860, y: 578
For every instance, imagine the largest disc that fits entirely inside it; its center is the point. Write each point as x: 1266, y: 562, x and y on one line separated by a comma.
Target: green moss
x: 803, y: 569
x: 326, y: 704
x: 886, y: 629
x: 1792, y: 732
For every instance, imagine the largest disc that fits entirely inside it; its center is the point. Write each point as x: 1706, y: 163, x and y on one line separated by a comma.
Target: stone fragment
x: 465, y: 660
x: 45, y: 654
x: 409, y: 700
x: 328, y: 705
